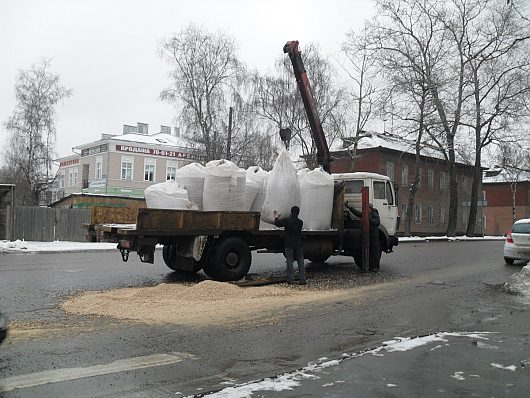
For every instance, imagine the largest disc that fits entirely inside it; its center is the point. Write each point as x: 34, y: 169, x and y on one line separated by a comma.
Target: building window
x: 127, y: 168
x: 484, y: 196
x: 430, y: 215
x: 61, y: 179
x: 417, y: 214
x: 171, y: 170
x: 430, y: 178
x: 390, y: 170
x: 442, y: 215
x: 443, y: 180
x: 405, y: 175
x: 149, y: 169
x: 75, y: 171
x: 99, y: 168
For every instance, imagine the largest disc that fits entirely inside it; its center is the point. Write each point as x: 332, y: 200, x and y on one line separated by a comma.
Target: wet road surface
x: 425, y: 288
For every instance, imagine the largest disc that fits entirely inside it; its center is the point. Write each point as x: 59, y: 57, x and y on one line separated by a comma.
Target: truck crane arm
x: 323, y: 156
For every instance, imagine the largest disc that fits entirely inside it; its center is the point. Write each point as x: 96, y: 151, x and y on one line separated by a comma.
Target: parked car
x: 3, y: 327
x: 517, y: 244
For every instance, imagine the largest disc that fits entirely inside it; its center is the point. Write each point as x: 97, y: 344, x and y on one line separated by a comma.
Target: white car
x: 517, y: 244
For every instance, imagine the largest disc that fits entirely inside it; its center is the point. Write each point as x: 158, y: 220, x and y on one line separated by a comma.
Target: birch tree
x: 31, y: 127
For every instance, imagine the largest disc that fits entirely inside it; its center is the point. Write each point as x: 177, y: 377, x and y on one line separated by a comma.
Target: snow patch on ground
x: 519, y: 284
x: 289, y: 381
x: 512, y: 368
x: 20, y: 246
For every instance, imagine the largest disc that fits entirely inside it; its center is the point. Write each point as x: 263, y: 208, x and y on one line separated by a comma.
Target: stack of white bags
x: 223, y: 186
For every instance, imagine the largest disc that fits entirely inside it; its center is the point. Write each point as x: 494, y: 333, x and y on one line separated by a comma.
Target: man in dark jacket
x: 292, y: 243
x: 375, y: 246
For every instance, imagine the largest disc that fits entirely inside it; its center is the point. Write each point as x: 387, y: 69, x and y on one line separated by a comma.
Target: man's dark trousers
x: 292, y: 253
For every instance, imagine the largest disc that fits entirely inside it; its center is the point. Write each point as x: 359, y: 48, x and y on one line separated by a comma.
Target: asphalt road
x: 424, y: 288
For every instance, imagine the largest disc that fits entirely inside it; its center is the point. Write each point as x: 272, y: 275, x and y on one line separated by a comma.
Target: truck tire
x: 169, y: 254
x: 358, y: 256
x: 228, y: 260
x: 509, y: 261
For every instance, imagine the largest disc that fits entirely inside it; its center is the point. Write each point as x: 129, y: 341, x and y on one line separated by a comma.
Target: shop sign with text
x: 157, y: 152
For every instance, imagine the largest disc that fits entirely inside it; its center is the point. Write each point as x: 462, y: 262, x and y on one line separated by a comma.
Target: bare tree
x: 205, y: 73
x: 497, y: 58
x: 362, y: 69
x: 277, y: 100
x: 32, y: 126
x: 409, y: 43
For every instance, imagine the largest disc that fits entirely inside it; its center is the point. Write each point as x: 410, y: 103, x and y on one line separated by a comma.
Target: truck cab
x: 381, y: 195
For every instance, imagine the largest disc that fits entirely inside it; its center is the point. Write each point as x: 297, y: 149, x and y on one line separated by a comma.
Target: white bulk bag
x: 301, y: 173
x: 258, y: 175
x: 166, y: 195
x: 251, y: 190
x: 224, y: 186
x: 283, y: 189
x: 316, y: 188
x: 191, y: 177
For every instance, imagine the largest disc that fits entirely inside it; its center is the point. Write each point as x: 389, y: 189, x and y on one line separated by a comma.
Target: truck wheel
x: 358, y: 257
x: 228, y: 260
x: 509, y: 261
x: 169, y: 254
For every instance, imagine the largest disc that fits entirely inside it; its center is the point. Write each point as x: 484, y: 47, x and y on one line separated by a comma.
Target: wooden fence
x: 49, y: 224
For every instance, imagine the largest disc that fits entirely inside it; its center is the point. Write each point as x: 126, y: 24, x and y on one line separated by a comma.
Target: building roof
x: 151, y: 139
x: 370, y: 140
x: 501, y: 175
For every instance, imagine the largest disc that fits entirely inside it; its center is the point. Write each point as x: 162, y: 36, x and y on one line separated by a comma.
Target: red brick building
x: 498, y: 197
x: 395, y: 157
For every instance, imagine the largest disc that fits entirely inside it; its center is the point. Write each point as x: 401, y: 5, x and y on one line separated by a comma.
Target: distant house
x: 124, y: 164
x: 498, y: 188
x: 388, y: 154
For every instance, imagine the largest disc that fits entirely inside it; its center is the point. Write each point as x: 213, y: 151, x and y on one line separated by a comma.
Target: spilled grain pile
x: 207, y: 302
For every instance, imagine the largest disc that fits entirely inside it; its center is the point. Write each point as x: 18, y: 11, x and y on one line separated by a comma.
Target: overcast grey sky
x: 107, y: 50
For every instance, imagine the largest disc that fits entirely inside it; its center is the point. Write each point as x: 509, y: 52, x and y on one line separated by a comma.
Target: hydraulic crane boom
x: 323, y: 156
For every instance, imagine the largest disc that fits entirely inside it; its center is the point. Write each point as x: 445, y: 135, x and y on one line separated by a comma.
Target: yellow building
x: 125, y: 164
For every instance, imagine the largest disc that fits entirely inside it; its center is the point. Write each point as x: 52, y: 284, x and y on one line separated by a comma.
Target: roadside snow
x: 20, y: 246
x: 290, y: 381
x: 519, y: 284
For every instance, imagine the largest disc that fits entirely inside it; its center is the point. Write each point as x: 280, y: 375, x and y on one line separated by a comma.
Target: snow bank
x: 519, y: 284
x: 20, y: 246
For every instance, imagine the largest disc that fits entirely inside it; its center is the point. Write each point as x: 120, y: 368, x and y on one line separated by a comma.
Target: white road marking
x: 121, y: 365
